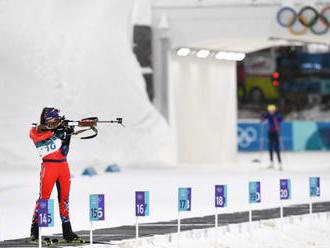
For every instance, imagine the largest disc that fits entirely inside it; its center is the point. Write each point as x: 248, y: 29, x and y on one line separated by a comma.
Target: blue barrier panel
x: 295, y: 136
x: 286, y: 136
x: 249, y: 136
x: 324, y: 132
x: 302, y: 133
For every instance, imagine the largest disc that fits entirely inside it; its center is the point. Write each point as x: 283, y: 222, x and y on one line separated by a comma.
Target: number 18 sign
x: 254, y: 192
x: 96, y: 207
x: 142, y: 203
x: 46, y: 213
x: 184, y: 199
x: 220, y: 196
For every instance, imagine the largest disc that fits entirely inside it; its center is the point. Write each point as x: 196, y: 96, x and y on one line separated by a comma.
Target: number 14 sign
x: 46, y: 213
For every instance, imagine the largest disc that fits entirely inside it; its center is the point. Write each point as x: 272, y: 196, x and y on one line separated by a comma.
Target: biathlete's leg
x: 63, y: 186
x: 48, y: 175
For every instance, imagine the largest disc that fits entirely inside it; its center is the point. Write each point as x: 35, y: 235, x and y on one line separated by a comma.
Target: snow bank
x: 75, y: 55
x: 294, y: 232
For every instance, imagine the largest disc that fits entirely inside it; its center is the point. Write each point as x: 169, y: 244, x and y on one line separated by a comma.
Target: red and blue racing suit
x: 53, y: 147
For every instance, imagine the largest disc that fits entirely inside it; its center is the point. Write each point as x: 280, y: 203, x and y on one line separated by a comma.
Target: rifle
x: 89, y: 122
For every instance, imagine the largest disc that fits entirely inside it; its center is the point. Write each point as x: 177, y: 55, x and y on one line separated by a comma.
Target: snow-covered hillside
x: 75, y: 55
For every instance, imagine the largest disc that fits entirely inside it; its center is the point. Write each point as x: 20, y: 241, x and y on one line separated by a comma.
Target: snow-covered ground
x: 293, y: 232
x: 19, y: 190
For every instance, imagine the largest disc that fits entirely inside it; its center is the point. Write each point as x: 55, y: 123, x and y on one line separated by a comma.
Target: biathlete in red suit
x: 52, y: 142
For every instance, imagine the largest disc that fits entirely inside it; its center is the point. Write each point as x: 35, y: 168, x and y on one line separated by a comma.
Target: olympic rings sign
x: 307, y: 18
x: 246, y: 136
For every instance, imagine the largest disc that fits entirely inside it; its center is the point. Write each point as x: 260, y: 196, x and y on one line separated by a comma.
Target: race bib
x: 48, y: 146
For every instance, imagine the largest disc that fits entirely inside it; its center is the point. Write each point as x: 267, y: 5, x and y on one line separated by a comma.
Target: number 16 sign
x: 142, y: 203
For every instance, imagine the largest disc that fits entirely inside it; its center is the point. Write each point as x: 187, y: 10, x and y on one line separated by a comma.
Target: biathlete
x: 274, y: 119
x: 52, y: 141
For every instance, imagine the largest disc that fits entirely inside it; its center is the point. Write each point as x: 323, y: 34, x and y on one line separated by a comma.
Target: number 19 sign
x: 184, y: 199
x: 220, y: 196
x: 96, y: 206
x: 46, y: 213
x: 142, y: 201
x: 254, y: 192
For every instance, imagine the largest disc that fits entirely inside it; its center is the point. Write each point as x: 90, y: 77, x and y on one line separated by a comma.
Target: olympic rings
x: 306, y: 18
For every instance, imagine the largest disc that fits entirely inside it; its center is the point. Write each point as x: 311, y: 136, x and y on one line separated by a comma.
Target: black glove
x: 69, y: 130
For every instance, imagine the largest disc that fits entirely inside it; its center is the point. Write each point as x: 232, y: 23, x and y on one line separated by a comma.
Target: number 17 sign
x: 184, y: 199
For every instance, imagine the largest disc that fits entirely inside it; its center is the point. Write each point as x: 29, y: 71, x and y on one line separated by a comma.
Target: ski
x: 63, y: 241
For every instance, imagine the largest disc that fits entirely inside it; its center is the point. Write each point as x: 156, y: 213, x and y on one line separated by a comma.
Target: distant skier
x: 274, y: 119
x: 53, y: 144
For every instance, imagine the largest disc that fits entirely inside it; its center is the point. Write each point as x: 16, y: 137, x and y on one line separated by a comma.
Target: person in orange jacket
x: 52, y: 141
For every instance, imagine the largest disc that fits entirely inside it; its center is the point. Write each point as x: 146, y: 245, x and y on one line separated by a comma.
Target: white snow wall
x: 203, y: 109
x: 75, y: 55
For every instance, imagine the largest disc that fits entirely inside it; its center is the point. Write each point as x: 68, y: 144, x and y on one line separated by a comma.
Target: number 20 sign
x: 96, y: 207
x: 285, y: 189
